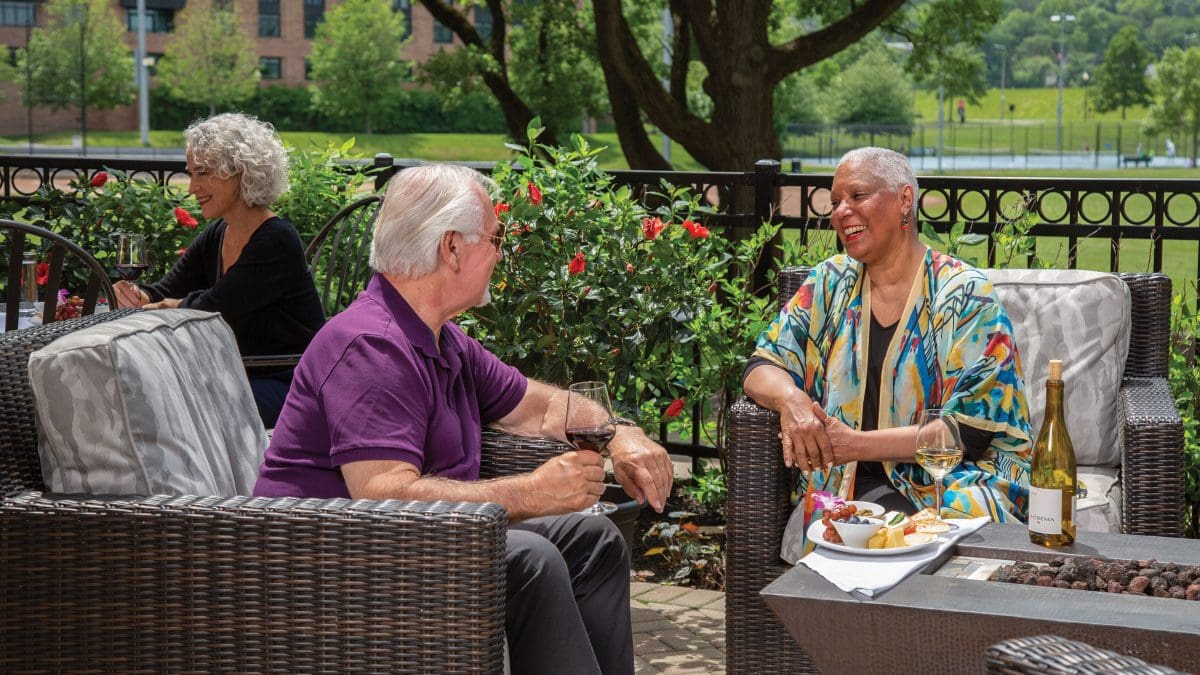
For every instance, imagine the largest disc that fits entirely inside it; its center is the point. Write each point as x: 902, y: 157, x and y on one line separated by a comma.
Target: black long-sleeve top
x: 267, y: 297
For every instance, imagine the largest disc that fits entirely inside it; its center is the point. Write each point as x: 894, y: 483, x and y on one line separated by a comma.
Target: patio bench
x: 206, y: 583
x: 1149, y: 479
x: 1135, y: 160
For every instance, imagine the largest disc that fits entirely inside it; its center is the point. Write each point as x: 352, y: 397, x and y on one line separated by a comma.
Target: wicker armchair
x: 759, y: 484
x: 208, y: 584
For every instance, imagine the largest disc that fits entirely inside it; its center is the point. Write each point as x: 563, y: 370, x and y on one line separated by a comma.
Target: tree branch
x: 680, y: 51
x: 517, y: 114
x: 808, y: 49
x: 625, y: 68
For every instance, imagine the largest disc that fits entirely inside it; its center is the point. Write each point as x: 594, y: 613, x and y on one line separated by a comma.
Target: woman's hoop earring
x: 904, y: 223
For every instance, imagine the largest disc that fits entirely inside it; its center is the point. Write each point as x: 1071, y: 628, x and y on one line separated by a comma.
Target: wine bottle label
x: 1045, y: 510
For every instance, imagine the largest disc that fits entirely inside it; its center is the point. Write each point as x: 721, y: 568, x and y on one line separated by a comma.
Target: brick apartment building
x: 282, y: 30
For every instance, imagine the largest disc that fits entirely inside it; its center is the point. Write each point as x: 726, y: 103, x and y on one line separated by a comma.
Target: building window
x: 157, y: 20
x: 268, y: 18
x: 441, y: 34
x: 483, y: 23
x: 404, y: 6
x: 271, y: 67
x: 308, y: 69
x: 15, y: 13
x: 314, y: 12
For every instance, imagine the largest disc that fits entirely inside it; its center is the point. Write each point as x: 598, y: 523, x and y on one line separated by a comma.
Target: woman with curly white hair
x: 248, y: 264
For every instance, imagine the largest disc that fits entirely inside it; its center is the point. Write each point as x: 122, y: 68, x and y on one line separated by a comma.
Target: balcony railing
x: 1147, y: 224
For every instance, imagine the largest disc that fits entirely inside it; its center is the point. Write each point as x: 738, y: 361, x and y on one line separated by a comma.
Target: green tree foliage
x: 1122, y: 76
x: 356, y: 57
x: 1176, y: 88
x: 77, y: 58
x: 539, y: 56
x: 211, y: 59
x: 873, y: 94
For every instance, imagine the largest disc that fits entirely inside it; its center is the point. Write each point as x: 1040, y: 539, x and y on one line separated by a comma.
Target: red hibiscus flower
x: 675, y: 408
x: 697, y: 230
x: 629, y: 268
x: 577, y: 264
x: 99, y: 179
x: 712, y: 288
x: 535, y: 195
x: 43, y: 273
x: 184, y: 218
x: 651, y: 227
x: 501, y: 207
x: 181, y: 251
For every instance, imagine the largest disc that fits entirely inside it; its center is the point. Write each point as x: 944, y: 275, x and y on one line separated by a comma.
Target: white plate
x: 818, y: 528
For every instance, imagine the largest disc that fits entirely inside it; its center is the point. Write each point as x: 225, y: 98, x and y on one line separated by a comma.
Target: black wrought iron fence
x: 1103, y: 223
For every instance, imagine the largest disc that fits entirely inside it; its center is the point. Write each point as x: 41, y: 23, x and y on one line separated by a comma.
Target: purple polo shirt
x: 373, y: 385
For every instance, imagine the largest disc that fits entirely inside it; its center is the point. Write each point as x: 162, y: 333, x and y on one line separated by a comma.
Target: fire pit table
x: 944, y: 618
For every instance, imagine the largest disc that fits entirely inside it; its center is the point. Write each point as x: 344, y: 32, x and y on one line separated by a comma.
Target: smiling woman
x: 879, y: 334
x: 248, y: 264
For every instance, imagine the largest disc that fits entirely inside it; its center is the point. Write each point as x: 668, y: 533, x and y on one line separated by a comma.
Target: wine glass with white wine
x: 939, y: 448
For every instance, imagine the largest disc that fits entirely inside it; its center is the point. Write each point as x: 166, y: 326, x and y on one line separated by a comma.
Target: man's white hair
x: 420, y: 206
x: 888, y: 166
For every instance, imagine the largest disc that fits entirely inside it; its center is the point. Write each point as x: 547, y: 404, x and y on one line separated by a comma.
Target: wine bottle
x: 1052, y: 472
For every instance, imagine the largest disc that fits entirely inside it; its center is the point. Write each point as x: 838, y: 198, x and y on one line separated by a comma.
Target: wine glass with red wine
x: 131, y: 256
x: 590, y: 426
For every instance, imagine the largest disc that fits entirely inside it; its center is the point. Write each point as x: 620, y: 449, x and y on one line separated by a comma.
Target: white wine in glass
x: 590, y: 426
x: 939, y: 448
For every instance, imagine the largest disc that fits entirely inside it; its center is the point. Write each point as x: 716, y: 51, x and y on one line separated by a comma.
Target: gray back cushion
x: 156, y: 402
x: 1081, y: 317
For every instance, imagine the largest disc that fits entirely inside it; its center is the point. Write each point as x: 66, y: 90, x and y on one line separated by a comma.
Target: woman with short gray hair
x: 248, y: 264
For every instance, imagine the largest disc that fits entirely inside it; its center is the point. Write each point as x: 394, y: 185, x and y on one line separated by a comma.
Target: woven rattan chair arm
x: 757, y: 511
x: 1151, y: 459
x: 1054, y: 654
x: 505, y: 454
x: 207, y: 584
x: 1150, y: 324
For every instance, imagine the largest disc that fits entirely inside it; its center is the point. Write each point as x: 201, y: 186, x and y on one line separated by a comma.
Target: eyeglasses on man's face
x: 496, y: 239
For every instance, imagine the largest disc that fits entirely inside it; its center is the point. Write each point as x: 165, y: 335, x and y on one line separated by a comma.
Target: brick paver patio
x: 677, y: 629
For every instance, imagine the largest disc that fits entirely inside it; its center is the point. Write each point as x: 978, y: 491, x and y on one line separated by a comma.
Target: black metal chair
x: 19, y: 235
x: 338, y: 259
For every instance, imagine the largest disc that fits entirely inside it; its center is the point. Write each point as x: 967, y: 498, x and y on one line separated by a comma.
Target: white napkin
x: 871, y: 575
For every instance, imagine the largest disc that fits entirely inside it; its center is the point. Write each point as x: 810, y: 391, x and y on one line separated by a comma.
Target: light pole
x: 1061, y: 20
x: 1003, y: 62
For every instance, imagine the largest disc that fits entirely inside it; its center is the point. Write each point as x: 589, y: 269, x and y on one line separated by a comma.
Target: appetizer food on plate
x: 929, y: 522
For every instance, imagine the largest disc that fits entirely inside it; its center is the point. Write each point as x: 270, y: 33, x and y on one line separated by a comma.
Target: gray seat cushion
x: 1081, y: 317
x: 156, y: 402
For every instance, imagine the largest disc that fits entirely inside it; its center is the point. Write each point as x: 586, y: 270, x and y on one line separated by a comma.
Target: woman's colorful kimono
x: 954, y: 349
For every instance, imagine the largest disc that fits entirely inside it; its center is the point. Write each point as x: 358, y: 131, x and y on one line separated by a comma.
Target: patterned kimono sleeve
x: 982, y: 377
x: 787, y: 342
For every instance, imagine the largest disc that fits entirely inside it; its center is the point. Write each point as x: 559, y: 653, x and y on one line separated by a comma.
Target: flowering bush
x: 595, y: 285
x: 95, y: 208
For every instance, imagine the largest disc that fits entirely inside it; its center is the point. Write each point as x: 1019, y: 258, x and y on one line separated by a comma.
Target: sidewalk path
x: 677, y: 629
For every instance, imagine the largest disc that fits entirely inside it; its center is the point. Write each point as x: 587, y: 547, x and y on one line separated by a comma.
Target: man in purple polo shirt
x: 388, y: 402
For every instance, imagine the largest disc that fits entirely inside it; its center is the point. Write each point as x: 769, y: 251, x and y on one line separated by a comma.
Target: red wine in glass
x: 590, y: 438
x: 131, y: 256
x: 131, y: 272
x: 590, y: 426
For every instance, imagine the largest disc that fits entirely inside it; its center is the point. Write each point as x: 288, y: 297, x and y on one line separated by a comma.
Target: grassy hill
x: 1032, y: 105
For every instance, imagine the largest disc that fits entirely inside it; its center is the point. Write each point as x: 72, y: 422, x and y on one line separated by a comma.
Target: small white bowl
x: 855, y: 535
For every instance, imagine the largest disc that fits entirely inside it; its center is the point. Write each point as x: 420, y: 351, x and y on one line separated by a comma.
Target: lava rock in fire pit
x: 1132, y: 577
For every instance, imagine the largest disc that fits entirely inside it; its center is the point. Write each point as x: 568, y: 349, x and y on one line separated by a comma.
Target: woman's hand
x: 841, y: 437
x: 165, y: 303
x: 130, y: 295
x: 806, y: 442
